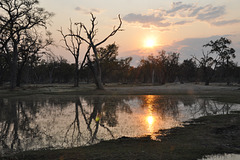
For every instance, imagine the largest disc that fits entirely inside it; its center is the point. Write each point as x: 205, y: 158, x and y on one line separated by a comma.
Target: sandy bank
x: 127, y: 89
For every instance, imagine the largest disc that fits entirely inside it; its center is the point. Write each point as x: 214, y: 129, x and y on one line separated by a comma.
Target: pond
x: 51, y: 122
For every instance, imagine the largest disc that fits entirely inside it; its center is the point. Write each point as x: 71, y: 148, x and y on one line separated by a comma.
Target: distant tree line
x: 160, y: 69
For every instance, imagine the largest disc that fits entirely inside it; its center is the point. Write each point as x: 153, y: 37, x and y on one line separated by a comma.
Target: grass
x: 204, y: 136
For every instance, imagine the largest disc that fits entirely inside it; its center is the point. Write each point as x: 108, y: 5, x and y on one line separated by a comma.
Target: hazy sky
x: 151, y: 25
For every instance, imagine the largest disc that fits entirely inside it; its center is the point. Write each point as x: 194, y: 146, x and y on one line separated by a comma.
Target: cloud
x: 225, y: 22
x: 178, y: 6
x: 180, y: 14
x: 195, y: 11
x: 87, y: 11
x: 209, y: 12
x: 182, y: 22
x: 146, y: 20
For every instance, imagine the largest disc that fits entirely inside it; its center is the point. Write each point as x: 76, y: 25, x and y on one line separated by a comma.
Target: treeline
x: 160, y: 69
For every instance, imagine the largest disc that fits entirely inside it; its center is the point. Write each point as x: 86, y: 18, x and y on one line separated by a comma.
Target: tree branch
x: 113, y: 32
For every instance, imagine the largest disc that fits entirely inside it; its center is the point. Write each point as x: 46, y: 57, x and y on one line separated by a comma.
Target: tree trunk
x: 19, y: 77
x: 19, y: 74
x: 153, y: 76
x: 98, y: 81
x: 14, y: 66
x: 97, y: 70
x: 206, y: 82
x: 76, y: 77
x: 227, y: 71
x: 51, y: 76
x: 2, y: 73
x: 206, y: 76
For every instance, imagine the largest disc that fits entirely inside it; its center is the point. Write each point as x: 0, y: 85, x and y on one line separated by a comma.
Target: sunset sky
x: 151, y: 25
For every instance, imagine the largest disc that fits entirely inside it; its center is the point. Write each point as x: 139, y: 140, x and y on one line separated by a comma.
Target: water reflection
x: 59, y: 122
x: 223, y: 157
x: 150, y: 118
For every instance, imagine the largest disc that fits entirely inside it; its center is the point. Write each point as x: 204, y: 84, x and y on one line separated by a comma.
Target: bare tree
x: 18, y: 16
x: 73, y: 45
x: 90, y: 40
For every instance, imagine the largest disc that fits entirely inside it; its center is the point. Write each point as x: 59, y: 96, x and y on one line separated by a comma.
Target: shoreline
x: 122, y: 89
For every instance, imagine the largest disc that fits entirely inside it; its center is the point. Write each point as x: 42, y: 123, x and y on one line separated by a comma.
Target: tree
x: 145, y: 70
x: 30, y: 50
x: 224, y: 54
x: 3, y: 69
x: 161, y: 68
x: 73, y: 44
x: 124, y: 69
x: 17, y: 17
x: 108, y: 60
x: 188, y: 70
x: 206, y: 63
x: 93, y: 44
x: 172, y: 66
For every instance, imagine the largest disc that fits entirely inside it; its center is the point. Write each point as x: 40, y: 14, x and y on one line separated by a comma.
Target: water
x: 38, y: 122
x: 223, y: 157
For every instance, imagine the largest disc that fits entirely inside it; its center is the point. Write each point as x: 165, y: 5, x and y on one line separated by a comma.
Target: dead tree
x: 73, y: 44
x: 90, y: 40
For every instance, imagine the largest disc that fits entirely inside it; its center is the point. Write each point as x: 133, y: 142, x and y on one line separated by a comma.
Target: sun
x: 150, y: 43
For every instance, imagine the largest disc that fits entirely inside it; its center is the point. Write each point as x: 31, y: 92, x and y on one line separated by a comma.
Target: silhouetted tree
x: 124, y: 69
x: 108, y: 60
x: 188, y: 70
x: 17, y: 17
x: 224, y: 54
x: 73, y: 45
x: 206, y: 64
x: 4, y: 68
x: 30, y: 50
x: 113, y: 69
x: 91, y: 41
x: 161, y: 68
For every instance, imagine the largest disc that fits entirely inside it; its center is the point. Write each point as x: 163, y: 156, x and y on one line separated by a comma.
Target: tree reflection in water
x: 16, y: 129
x: 103, y: 108
x: 66, y: 121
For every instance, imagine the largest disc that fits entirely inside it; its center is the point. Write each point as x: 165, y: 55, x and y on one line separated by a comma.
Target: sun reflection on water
x: 150, y: 119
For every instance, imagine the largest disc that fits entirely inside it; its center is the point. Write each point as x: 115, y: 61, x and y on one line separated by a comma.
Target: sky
x: 150, y: 26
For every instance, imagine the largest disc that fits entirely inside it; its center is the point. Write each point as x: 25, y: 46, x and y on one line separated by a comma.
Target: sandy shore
x: 124, y: 89
x: 174, y: 88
